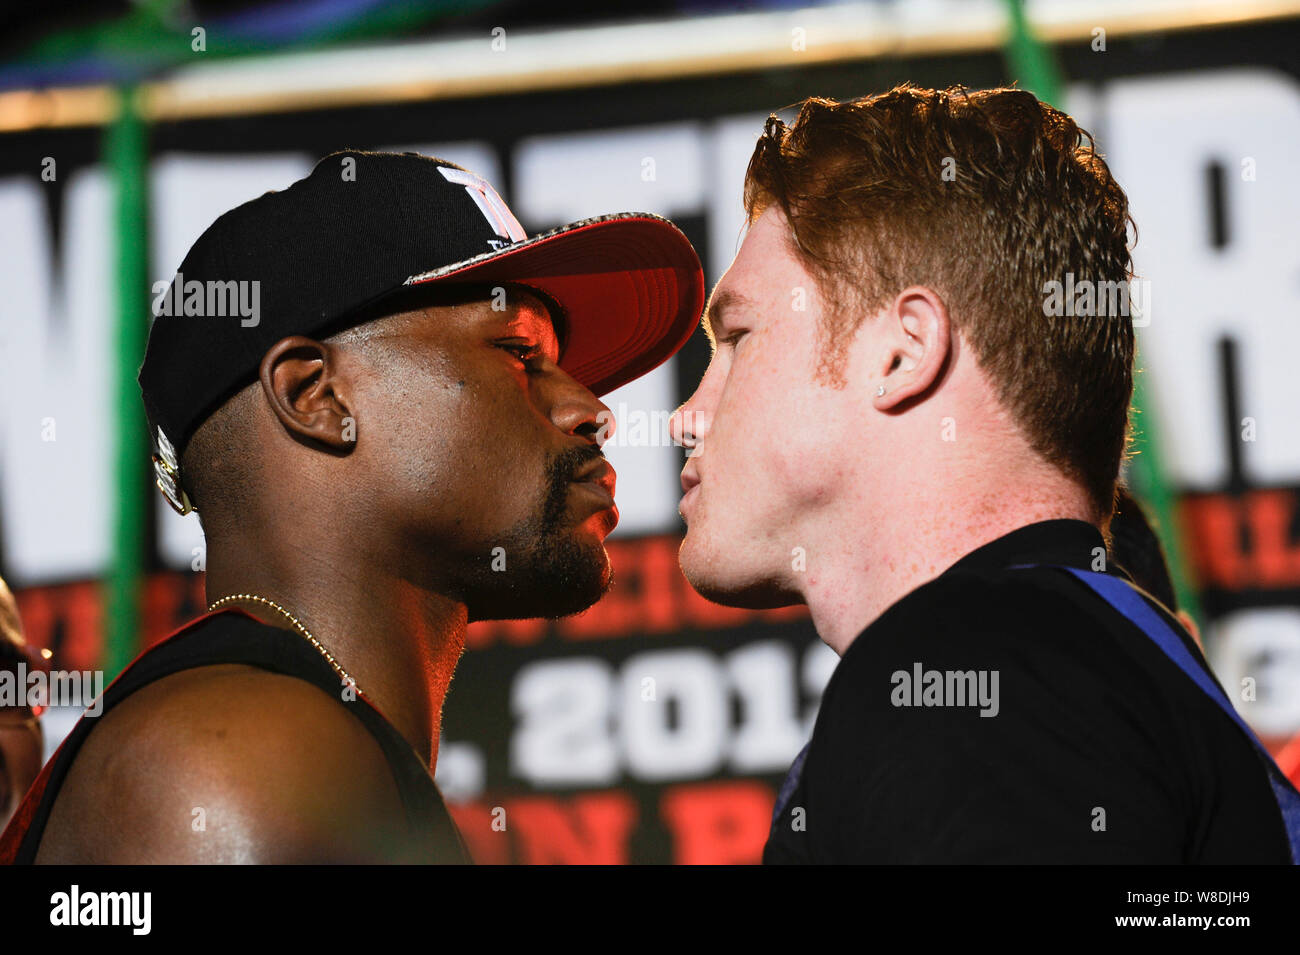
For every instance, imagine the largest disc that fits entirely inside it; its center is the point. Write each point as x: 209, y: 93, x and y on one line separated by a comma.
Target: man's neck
x: 398, y: 643
x: 864, y: 563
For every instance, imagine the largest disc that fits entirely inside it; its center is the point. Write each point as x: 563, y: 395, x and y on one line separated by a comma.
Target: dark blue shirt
x: 995, y: 715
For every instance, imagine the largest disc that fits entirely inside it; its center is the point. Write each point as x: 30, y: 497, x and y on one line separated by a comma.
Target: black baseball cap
x: 366, y: 227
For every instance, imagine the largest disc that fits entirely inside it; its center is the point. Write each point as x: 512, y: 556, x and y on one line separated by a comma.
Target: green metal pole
x: 1147, y: 468
x: 126, y: 157
x: 1031, y: 62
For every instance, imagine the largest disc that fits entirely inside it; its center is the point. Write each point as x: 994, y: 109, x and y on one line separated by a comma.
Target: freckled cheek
x: 766, y: 436
x: 748, y: 434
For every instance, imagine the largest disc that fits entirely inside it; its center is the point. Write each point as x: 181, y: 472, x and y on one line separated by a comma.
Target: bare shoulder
x: 227, y: 763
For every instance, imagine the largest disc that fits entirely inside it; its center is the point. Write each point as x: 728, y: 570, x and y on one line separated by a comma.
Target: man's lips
x: 690, y: 481
x: 690, y: 477
x: 599, y: 477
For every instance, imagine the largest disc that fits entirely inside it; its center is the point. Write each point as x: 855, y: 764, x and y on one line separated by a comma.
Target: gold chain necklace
x: 297, y: 625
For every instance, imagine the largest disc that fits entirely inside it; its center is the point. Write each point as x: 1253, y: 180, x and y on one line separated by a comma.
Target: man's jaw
x: 725, y: 570
x: 557, y: 564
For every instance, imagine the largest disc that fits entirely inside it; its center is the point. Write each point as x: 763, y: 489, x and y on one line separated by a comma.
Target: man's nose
x: 689, y: 424
x: 576, y: 410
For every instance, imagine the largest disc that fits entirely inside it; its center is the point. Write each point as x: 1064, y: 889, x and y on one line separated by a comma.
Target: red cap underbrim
x: 631, y: 285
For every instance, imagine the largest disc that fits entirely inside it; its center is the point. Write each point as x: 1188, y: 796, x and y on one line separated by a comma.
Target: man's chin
x: 713, y: 579
x: 574, y: 578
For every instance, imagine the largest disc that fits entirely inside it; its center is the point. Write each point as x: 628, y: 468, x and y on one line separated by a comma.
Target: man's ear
x: 919, y: 336
x: 303, y: 384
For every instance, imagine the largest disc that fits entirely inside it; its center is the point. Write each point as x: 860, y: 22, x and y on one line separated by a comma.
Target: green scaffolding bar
x: 1147, y: 472
x: 1030, y: 62
x: 126, y: 157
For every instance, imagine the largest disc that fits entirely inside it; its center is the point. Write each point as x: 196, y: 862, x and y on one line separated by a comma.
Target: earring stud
x: 880, y: 392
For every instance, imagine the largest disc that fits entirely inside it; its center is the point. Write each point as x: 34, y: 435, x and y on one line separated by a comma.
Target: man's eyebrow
x: 723, y: 300
x: 556, y: 317
x: 541, y: 333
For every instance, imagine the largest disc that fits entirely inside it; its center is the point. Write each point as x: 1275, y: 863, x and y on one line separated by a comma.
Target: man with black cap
x: 380, y: 396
